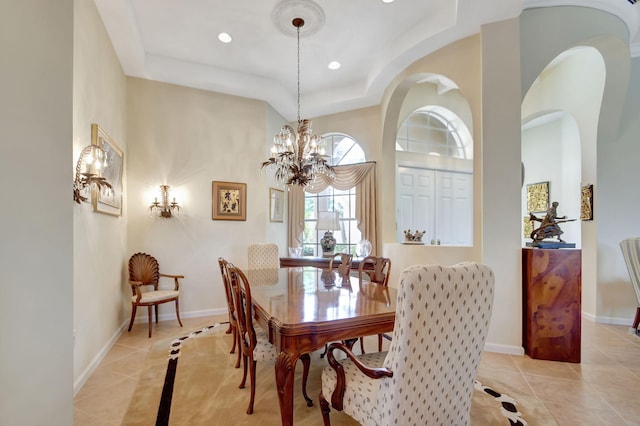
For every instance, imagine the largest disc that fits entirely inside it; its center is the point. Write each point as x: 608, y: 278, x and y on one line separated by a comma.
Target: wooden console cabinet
x: 552, y: 306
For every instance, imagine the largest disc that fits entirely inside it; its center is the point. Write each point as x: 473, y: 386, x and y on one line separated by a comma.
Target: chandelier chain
x: 298, y: 28
x: 297, y: 157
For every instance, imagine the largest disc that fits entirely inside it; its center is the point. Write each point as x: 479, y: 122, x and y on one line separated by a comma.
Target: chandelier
x: 297, y: 157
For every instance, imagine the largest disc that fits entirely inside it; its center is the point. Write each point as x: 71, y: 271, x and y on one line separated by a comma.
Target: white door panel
x: 439, y: 202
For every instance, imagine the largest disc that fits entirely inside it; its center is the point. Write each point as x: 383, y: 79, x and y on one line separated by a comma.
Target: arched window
x: 434, y: 182
x: 341, y: 149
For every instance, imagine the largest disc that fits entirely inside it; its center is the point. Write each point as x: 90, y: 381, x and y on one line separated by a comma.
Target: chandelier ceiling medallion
x: 297, y: 157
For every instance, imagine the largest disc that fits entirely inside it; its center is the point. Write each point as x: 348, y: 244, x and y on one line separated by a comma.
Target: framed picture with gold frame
x: 538, y: 197
x: 276, y: 205
x: 527, y: 226
x: 109, y: 202
x: 586, y: 203
x: 229, y: 201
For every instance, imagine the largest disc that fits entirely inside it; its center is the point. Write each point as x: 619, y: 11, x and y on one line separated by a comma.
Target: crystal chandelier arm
x: 86, y: 179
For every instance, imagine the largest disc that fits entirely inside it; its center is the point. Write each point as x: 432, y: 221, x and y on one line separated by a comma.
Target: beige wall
x: 36, y: 228
x: 100, y: 303
x: 187, y: 138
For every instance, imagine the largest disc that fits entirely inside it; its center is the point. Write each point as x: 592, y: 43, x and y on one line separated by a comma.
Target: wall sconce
x: 90, y: 164
x: 166, y: 208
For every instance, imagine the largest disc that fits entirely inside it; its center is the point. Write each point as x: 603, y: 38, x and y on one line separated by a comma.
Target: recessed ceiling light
x: 224, y: 37
x: 334, y: 65
x: 387, y: 1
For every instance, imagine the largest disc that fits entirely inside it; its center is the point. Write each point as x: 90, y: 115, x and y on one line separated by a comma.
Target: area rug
x: 191, y: 380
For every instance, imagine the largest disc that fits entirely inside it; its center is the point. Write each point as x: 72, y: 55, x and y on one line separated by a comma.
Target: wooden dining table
x: 304, y: 308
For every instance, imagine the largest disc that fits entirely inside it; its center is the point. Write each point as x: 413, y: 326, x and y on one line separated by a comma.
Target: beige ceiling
x: 175, y: 41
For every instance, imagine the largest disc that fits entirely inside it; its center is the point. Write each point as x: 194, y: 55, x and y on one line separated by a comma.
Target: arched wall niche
x: 548, y: 32
x: 446, y: 173
x: 562, y: 113
x: 459, y: 62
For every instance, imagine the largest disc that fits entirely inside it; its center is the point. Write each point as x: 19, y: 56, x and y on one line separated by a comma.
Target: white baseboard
x: 504, y: 349
x: 607, y: 320
x: 144, y: 319
x: 95, y: 362
x: 84, y: 376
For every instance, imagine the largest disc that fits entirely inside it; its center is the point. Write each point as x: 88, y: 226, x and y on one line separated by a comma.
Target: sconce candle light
x: 167, y: 209
x: 88, y: 169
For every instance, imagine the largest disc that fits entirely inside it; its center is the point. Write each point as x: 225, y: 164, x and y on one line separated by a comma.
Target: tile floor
x: 601, y: 390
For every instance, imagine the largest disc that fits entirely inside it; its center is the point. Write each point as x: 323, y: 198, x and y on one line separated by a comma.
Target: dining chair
x: 344, y: 267
x: 233, y: 321
x: 378, y: 272
x: 442, y: 321
x: 631, y: 252
x: 254, y: 341
x: 144, y: 271
x: 263, y: 256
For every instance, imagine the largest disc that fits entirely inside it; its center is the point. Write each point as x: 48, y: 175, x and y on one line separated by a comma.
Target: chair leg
x: 150, y: 317
x: 379, y: 342
x: 636, y: 320
x: 156, y: 313
x: 134, y: 308
x: 362, y: 345
x: 245, y: 363
x: 325, y: 409
x: 232, y: 330
x: 306, y: 362
x: 326, y: 349
x: 237, y: 338
x: 177, y: 313
x: 252, y: 374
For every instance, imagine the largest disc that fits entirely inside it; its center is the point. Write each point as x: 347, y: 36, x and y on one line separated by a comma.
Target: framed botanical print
x: 276, y: 205
x: 108, y: 201
x: 538, y: 197
x: 229, y: 201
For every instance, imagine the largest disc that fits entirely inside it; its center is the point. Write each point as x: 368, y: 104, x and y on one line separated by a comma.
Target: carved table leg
x: 285, y: 366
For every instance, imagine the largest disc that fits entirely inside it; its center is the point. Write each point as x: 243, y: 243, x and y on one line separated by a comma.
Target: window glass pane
x: 342, y: 149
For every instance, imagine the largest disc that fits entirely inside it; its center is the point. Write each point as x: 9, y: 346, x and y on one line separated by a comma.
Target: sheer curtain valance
x: 362, y: 176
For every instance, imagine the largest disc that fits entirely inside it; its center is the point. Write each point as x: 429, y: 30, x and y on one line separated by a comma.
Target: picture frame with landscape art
x: 229, y: 200
x: 538, y: 197
x: 105, y: 201
x: 276, y: 205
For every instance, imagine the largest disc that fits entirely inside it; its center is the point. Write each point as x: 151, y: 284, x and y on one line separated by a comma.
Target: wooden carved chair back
x: 381, y: 269
x: 241, y: 294
x: 346, y: 260
x: 144, y: 270
x: 233, y: 321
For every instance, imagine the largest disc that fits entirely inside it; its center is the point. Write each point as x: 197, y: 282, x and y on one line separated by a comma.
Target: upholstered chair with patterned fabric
x: 254, y: 341
x: 233, y: 321
x: 426, y: 377
x: 263, y: 256
x: 631, y: 252
x: 144, y: 271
